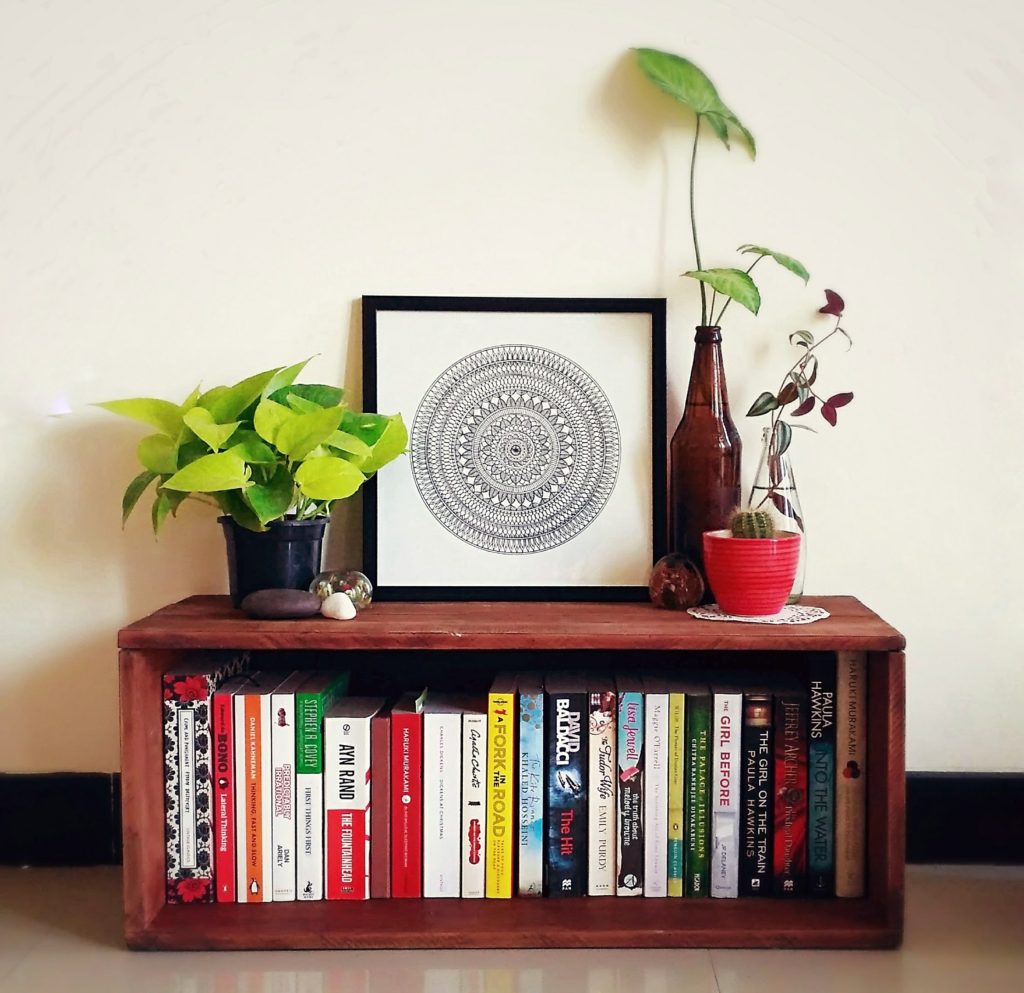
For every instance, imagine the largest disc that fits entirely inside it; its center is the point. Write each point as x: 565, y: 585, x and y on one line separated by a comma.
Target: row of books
x: 559, y: 784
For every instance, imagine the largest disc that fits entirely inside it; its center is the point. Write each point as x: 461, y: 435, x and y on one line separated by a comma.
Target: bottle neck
x: 707, y: 376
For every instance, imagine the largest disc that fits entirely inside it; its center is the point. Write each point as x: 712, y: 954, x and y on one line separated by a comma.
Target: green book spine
x: 676, y: 790
x: 698, y: 736
x: 311, y: 702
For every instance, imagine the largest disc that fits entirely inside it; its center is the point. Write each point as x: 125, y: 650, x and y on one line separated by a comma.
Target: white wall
x: 198, y: 190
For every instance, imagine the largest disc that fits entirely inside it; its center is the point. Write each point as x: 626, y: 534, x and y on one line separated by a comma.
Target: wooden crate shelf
x: 536, y: 633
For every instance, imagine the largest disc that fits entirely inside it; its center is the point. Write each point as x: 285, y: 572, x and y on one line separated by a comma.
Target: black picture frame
x: 653, y: 307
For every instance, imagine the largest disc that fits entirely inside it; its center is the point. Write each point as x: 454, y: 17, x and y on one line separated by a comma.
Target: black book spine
x: 821, y: 775
x: 789, y: 843
x: 756, y: 805
x: 565, y: 729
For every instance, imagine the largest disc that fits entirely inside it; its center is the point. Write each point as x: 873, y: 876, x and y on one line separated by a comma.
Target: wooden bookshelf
x: 461, y: 645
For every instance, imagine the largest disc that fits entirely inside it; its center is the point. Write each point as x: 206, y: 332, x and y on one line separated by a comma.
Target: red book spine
x: 224, y: 864
x: 406, y: 805
x: 380, y: 806
x: 790, y: 841
x: 347, y: 841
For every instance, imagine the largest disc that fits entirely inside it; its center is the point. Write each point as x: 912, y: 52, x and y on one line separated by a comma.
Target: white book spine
x: 656, y: 796
x: 602, y: 807
x: 725, y: 804
x: 309, y: 820
x: 282, y: 744
x: 474, y: 803
x: 347, y: 808
x: 442, y: 807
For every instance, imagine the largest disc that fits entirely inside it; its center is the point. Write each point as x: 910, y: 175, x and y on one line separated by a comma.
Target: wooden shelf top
x: 211, y: 622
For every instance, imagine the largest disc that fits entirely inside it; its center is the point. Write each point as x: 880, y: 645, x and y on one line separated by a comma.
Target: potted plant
x: 272, y: 455
x: 706, y: 448
x: 751, y: 565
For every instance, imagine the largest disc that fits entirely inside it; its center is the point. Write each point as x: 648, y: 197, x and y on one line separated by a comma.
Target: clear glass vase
x: 775, y: 486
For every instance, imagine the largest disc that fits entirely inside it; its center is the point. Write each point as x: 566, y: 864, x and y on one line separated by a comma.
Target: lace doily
x: 794, y: 613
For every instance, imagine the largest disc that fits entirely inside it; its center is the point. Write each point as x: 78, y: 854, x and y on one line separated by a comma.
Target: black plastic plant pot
x: 284, y: 557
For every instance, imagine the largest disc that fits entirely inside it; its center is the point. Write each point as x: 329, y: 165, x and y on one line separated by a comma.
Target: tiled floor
x: 60, y: 930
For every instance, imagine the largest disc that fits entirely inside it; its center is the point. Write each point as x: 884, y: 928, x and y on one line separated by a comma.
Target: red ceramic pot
x: 751, y: 577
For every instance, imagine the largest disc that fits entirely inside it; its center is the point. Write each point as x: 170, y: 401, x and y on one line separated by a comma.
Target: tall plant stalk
x: 693, y: 223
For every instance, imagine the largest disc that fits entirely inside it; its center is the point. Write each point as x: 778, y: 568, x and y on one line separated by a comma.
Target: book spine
x: 188, y: 815
x: 531, y: 795
x: 676, y: 790
x: 696, y: 822
x: 851, y: 778
x: 380, y: 806
x: 499, y: 847
x: 442, y: 774
x: 821, y: 779
x: 756, y: 805
x: 602, y: 811
x: 725, y: 851
x: 567, y: 794
x: 790, y: 786
x: 406, y: 805
x: 474, y: 803
x: 656, y: 795
x: 309, y: 793
x: 224, y: 868
x: 347, y: 808
x: 629, y: 879
x: 282, y: 751
x: 252, y: 798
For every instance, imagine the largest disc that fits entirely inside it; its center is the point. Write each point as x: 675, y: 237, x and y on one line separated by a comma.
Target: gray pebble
x: 281, y: 604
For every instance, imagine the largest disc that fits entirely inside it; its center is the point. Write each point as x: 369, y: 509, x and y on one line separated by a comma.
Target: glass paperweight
x: 352, y: 583
x: 676, y: 583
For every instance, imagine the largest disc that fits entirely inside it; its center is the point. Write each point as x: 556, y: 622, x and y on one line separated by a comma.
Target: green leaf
x: 804, y: 338
x: 247, y: 445
x: 763, y: 404
x: 732, y: 283
x: 322, y: 396
x: 346, y: 442
x: 160, y: 414
x: 135, y: 490
x: 684, y: 82
x: 229, y: 404
x: 269, y: 418
x: 221, y: 471
x: 201, y: 422
x: 328, y: 479
x: 298, y: 436
x: 284, y: 378
x: 783, y: 437
x: 158, y: 453
x: 301, y: 405
x: 786, y: 261
x: 175, y: 498
x: 189, y: 451
x: 161, y: 508
x: 272, y: 500
x: 233, y: 504
x: 190, y: 401
x: 211, y: 396
x: 393, y: 441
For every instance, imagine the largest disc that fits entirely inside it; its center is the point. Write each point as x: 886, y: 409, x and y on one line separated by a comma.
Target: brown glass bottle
x: 704, y: 467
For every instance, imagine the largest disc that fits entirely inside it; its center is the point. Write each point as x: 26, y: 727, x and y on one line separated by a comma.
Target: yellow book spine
x: 676, y: 779
x: 500, y: 795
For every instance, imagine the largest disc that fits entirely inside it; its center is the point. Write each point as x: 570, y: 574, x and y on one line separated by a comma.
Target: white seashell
x: 339, y: 607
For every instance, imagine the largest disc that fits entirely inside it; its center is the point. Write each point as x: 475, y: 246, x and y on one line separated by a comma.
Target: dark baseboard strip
x: 75, y: 818
x: 966, y: 818
x: 61, y: 818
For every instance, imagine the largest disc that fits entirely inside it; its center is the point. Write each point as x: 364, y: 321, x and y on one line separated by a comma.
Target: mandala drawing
x: 515, y: 449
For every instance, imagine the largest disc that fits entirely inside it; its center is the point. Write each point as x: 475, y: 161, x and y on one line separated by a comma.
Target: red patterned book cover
x: 188, y: 781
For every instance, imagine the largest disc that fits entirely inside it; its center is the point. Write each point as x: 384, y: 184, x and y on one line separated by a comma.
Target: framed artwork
x: 536, y: 463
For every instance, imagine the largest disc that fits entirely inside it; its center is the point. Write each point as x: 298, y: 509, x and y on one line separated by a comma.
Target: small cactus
x: 753, y: 524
